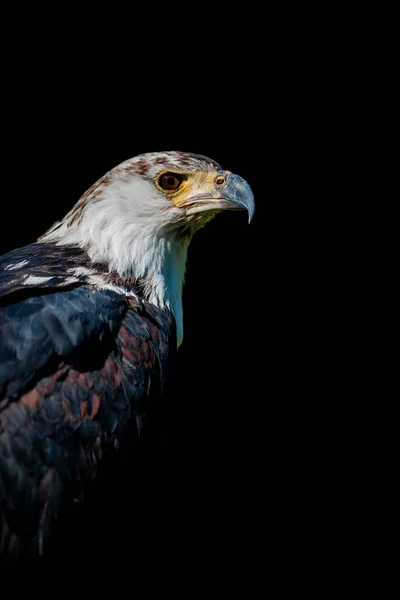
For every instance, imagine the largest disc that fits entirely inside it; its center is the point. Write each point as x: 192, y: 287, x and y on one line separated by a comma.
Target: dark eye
x: 170, y: 181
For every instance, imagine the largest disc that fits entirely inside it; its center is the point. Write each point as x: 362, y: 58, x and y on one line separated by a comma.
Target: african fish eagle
x: 90, y: 318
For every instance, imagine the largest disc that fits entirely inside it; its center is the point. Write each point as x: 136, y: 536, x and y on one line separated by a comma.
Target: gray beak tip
x: 251, y: 215
x: 241, y: 194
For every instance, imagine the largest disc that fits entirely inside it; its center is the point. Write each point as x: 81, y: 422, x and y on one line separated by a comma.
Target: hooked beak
x: 238, y: 194
x: 229, y: 192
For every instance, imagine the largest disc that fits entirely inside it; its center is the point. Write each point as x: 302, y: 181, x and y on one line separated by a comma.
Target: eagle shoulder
x: 77, y: 364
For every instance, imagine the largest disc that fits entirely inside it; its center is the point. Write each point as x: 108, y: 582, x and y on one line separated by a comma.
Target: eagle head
x: 140, y: 217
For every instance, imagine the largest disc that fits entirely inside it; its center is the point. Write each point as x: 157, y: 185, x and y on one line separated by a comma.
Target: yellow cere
x: 193, y: 184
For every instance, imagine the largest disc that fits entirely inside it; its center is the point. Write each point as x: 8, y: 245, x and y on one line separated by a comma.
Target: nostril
x: 220, y: 181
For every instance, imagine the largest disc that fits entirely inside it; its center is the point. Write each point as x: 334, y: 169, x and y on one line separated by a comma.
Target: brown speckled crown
x: 147, y: 165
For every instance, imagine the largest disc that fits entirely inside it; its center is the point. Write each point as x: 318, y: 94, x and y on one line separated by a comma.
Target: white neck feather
x: 128, y: 226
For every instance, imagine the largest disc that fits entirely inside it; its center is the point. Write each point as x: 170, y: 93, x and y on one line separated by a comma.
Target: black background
x: 227, y: 464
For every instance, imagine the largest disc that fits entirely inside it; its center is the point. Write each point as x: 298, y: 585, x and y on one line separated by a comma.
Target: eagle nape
x: 91, y: 317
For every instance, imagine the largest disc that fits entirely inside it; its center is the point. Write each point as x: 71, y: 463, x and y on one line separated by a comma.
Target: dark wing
x: 37, y: 333
x: 75, y: 367
x: 42, y: 266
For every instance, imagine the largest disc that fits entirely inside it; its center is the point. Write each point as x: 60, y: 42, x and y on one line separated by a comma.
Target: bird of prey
x: 90, y: 319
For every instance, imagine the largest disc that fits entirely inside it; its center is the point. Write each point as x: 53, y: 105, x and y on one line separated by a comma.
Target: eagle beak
x: 223, y: 191
x: 236, y: 192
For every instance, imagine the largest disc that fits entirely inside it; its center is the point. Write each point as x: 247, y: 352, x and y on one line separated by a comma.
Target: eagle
x: 90, y: 321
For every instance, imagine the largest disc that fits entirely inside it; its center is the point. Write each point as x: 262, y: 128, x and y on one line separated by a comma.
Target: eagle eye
x: 170, y: 181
